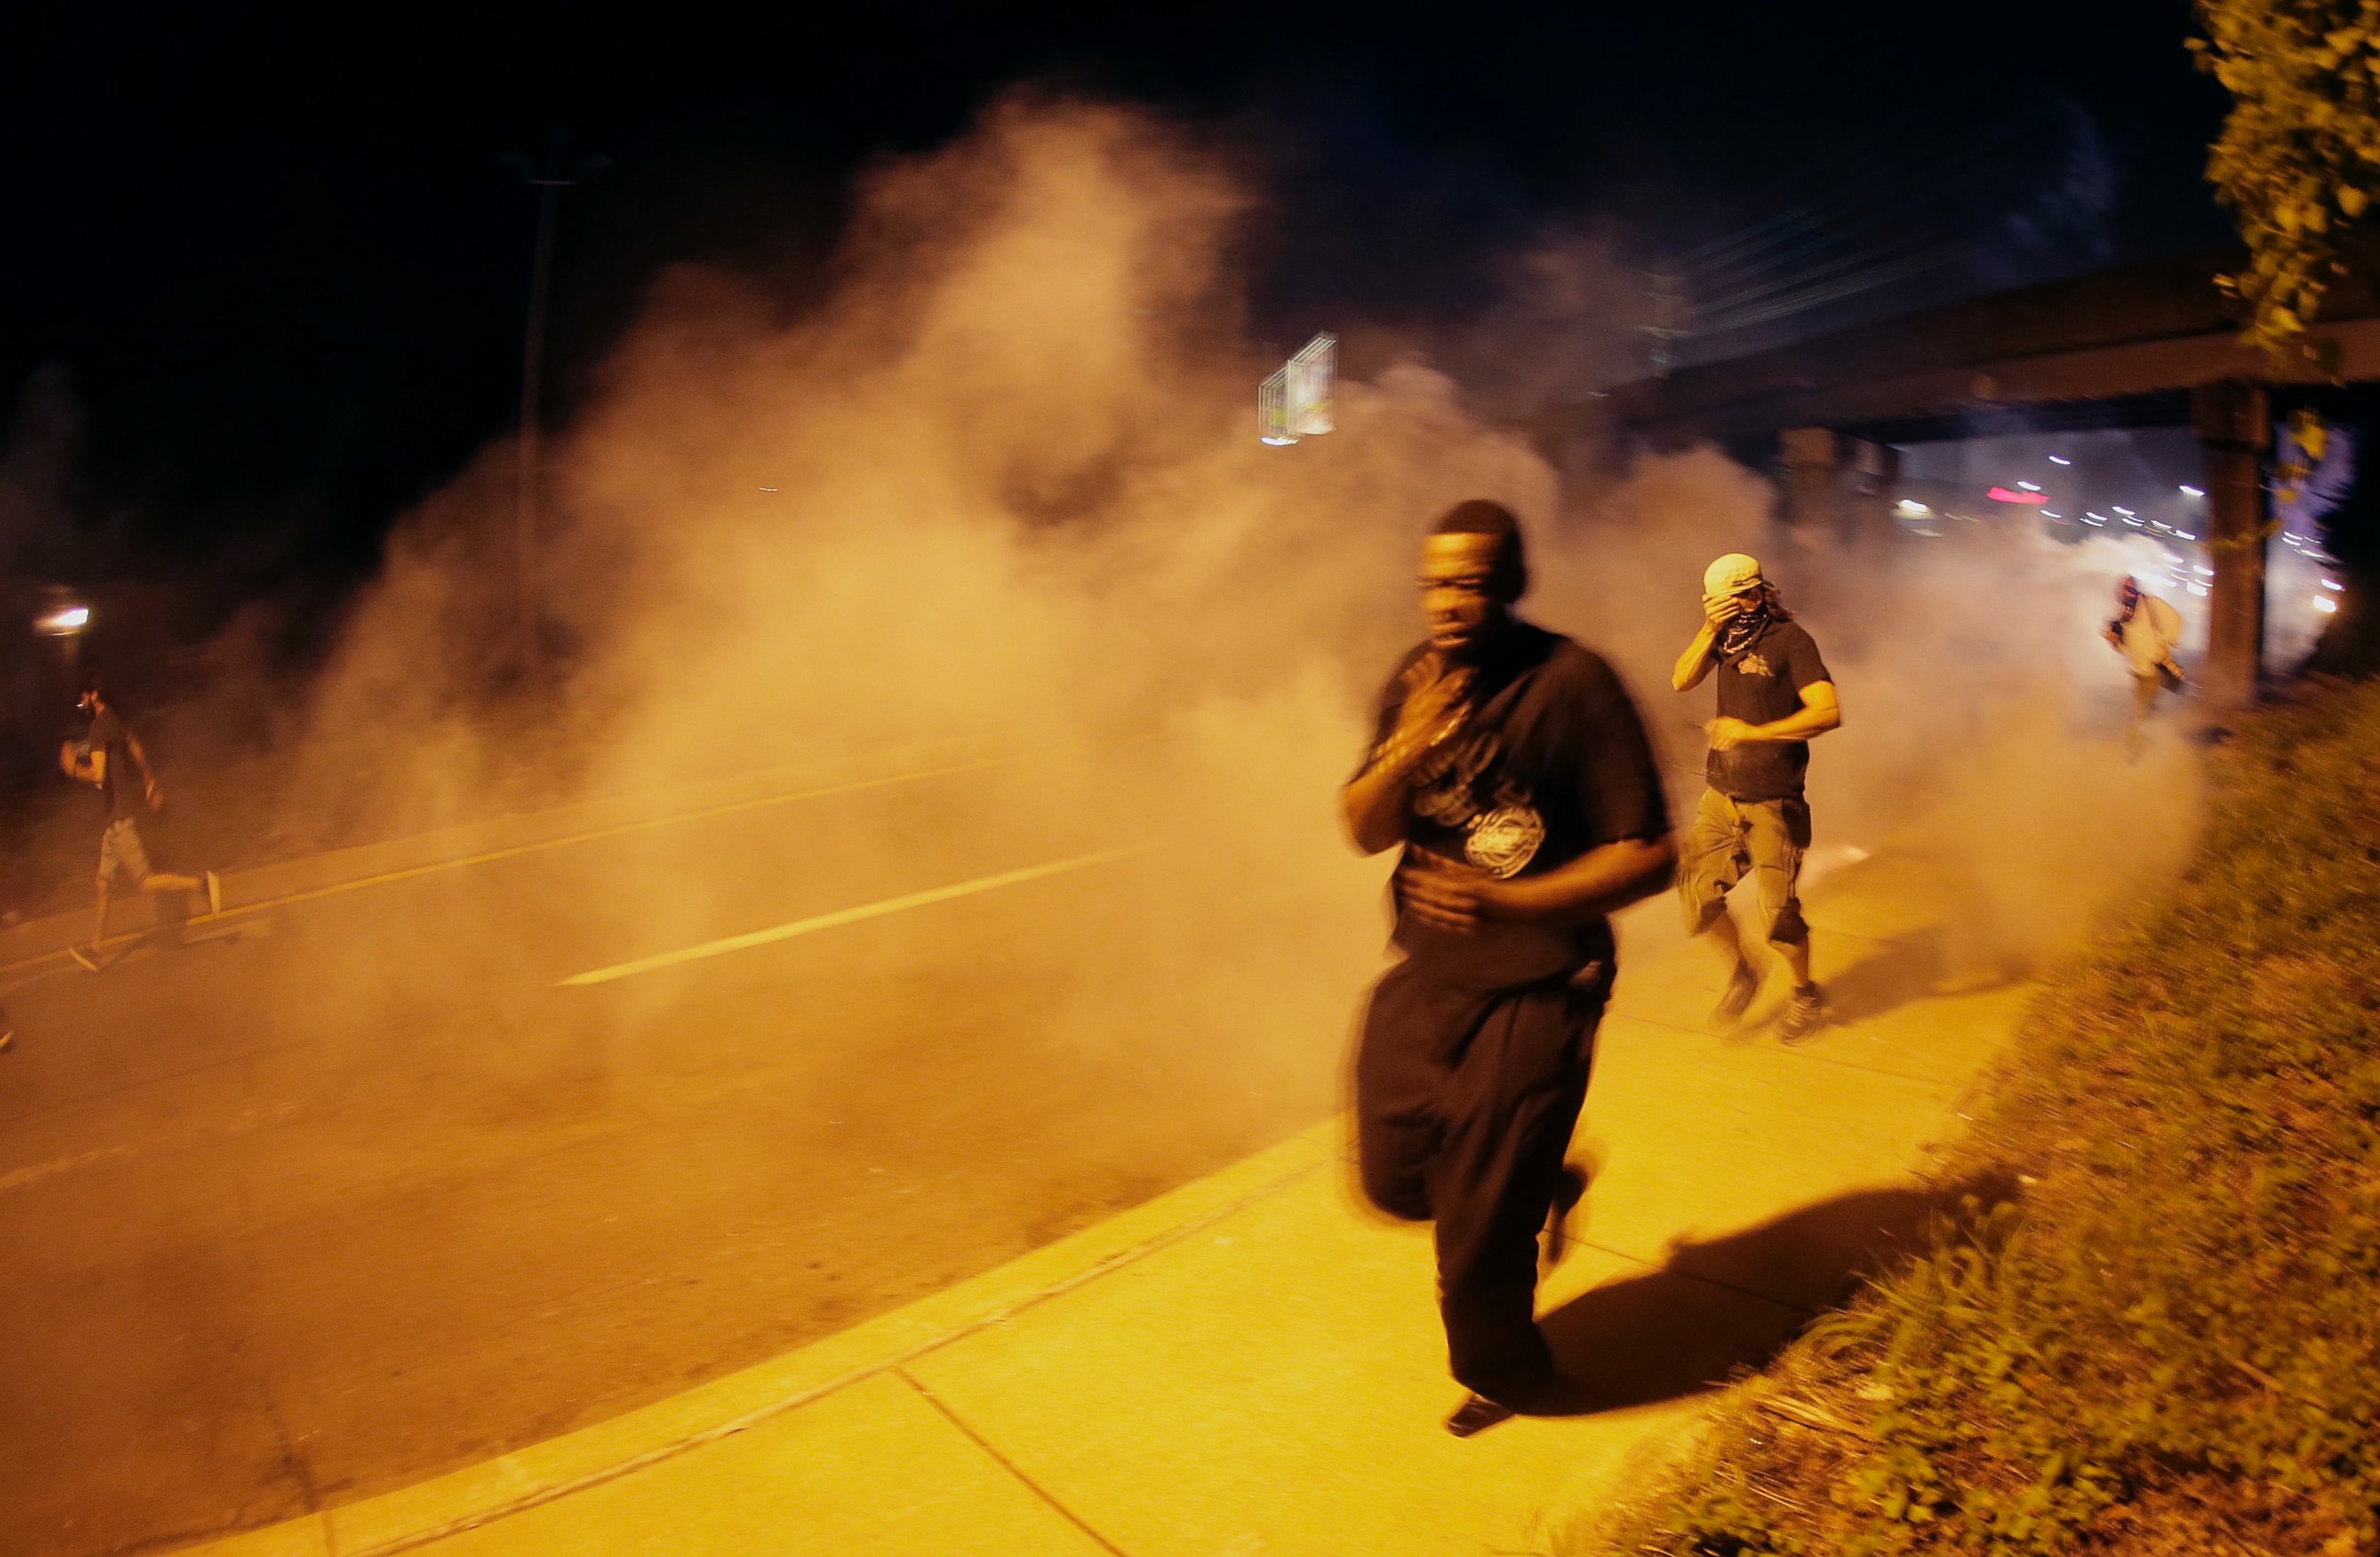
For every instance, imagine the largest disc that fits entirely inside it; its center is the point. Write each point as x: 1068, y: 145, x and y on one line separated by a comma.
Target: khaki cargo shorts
x: 1730, y: 839
x: 122, y: 852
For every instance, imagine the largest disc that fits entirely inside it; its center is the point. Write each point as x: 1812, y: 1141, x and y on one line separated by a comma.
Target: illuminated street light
x: 2047, y: 514
x: 63, y: 623
x: 2029, y: 486
x: 2332, y: 584
x: 2191, y: 492
x: 2185, y: 535
x: 2325, y: 604
x: 2059, y: 459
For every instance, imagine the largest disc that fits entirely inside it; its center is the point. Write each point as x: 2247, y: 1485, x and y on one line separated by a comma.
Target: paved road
x: 357, y: 1190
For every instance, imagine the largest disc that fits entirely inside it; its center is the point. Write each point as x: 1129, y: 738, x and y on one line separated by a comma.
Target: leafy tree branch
x: 2298, y: 159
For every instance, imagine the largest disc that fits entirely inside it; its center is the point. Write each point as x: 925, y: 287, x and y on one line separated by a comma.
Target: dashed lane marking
x: 849, y: 916
x: 242, y: 1123
x: 33, y: 1173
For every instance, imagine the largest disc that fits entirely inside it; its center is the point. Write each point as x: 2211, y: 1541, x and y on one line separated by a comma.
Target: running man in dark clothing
x: 1509, y: 766
x: 106, y: 762
x: 1774, y: 693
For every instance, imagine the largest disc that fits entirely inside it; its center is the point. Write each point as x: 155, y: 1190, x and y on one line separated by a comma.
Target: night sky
x: 273, y: 265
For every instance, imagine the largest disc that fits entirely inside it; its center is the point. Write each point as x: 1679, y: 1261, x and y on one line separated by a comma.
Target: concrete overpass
x: 2147, y: 345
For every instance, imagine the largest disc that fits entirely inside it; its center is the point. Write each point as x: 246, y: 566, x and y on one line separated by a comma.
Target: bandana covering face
x: 1737, y: 635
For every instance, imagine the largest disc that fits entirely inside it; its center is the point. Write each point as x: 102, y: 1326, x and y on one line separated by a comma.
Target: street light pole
x: 555, y: 175
x: 549, y: 192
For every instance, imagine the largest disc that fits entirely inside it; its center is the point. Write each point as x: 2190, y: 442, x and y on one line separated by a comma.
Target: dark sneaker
x: 1804, y: 1014
x: 1569, y: 1190
x: 214, y: 892
x: 1740, y: 991
x: 1476, y: 1414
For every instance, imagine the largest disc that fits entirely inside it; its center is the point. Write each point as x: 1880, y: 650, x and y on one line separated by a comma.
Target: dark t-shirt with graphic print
x: 1760, y: 684
x: 1552, y: 762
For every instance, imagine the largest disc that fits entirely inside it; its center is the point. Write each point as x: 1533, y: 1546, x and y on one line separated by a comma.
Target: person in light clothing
x: 2144, y: 632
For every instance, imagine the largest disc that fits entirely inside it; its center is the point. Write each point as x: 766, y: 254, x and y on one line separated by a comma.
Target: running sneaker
x: 1804, y: 1014
x: 1741, y: 988
x: 214, y: 892
x: 1477, y: 1413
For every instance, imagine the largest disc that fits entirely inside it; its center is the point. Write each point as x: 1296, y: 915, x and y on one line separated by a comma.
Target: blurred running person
x: 1774, y: 695
x: 107, y: 761
x: 2145, y: 631
x: 1512, y: 771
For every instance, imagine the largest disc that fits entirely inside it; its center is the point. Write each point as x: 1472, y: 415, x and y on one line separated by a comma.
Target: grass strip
x: 2166, y: 1342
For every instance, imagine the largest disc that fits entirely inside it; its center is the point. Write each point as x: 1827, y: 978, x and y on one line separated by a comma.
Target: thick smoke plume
x: 1000, y: 493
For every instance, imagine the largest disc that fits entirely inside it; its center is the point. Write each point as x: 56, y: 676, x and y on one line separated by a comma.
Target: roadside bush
x: 2168, y: 1343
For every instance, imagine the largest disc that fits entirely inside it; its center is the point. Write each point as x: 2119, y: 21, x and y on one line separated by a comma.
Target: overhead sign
x: 1295, y: 402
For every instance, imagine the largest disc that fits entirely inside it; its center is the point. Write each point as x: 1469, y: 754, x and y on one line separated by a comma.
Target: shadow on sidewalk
x: 1911, y: 968
x: 1731, y: 1304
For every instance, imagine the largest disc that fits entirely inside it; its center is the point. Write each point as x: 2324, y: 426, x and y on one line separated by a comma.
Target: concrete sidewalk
x: 1252, y: 1365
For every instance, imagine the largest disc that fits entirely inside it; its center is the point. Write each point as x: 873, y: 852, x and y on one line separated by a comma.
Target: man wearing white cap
x: 1774, y: 695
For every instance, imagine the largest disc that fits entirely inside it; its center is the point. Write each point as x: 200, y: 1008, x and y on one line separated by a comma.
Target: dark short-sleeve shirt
x: 1553, y: 761
x: 1761, y: 685
x: 119, y: 791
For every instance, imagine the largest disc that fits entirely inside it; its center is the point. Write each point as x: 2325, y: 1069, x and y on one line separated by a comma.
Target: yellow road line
x: 516, y: 851
x: 848, y: 916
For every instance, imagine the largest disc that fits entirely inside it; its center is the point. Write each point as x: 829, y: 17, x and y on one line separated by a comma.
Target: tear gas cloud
x: 1000, y: 493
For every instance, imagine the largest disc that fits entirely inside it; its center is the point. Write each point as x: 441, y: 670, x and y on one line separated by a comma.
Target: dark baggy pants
x: 1464, y: 1103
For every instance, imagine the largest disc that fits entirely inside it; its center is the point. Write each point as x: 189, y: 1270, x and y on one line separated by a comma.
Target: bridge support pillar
x: 2235, y: 427
x: 1813, y: 456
